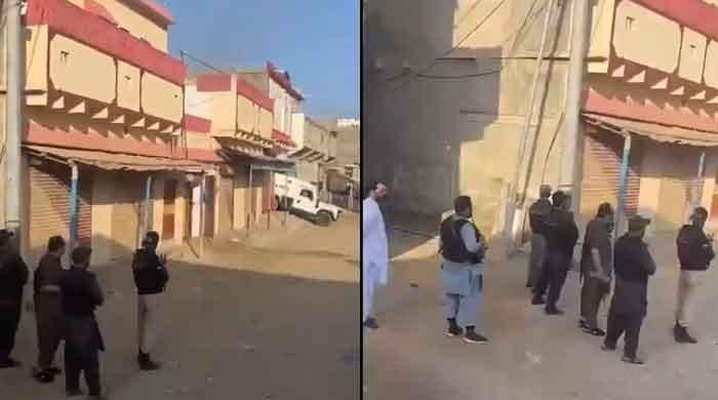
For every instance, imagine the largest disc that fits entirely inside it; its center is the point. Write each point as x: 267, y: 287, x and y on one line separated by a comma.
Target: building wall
x: 136, y: 23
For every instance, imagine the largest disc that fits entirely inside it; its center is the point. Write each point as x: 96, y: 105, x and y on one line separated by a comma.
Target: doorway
x: 168, y: 211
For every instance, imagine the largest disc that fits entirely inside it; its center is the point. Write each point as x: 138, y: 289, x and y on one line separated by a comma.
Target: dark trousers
x: 553, y: 277
x: 618, y: 324
x: 77, y: 362
x: 10, y: 311
x: 48, y: 312
x: 592, y: 293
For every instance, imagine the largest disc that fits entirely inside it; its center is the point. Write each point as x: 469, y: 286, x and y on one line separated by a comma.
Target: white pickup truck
x: 302, y: 198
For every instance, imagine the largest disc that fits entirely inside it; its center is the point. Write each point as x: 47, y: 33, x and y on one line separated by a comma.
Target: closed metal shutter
x: 602, y: 169
x: 126, y: 213
x: 49, y: 205
x: 679, y: 185
x: 226, y: 204
x: 84, y: 222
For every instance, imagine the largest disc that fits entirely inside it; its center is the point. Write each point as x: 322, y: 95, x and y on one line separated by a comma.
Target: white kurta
x: 375, y: 253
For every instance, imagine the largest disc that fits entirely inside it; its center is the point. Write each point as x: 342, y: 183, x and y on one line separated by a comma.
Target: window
x: 65, y: 57
x: 307, y: 194
x: 629, y: 23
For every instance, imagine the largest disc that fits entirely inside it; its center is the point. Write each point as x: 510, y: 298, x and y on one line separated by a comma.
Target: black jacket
x: 538, y: 215
x: 13, y: 275
x: 81, y: 295
x: 695, y: 251
x: 563, y: 234
x: 453, y: 247
x: 150, y: 275
x: 633, y: 265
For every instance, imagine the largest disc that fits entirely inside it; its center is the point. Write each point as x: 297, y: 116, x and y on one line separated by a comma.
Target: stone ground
x: 273, y: 316
x: 531, y: 356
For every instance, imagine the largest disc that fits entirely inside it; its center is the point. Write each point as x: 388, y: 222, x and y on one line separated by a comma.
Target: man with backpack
x: 462, y: 248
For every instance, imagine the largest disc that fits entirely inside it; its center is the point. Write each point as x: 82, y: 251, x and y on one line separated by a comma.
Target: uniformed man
x: 562, y: 238
x: 695, y: 252
x: 151, y: 276
x: 633, y: 266
x: 81, y: 295
x: 48, y: 308
x: 462, y: 248
x: 596, y: 268
x: 538, y: 215
x: 13, y: 277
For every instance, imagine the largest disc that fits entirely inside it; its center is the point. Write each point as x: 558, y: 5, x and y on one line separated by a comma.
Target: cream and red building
x: 108, y: 152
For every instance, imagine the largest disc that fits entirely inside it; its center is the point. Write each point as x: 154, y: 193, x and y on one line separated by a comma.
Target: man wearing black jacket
x: 562, y: 238
x: 13, y: 277
x: 151, y: 277
x: 538, y: 214
x: 695, y: 252
x: 81, y: 295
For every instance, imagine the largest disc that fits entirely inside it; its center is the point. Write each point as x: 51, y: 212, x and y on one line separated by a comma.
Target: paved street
x: 272, y: 317
x: 531, y: 356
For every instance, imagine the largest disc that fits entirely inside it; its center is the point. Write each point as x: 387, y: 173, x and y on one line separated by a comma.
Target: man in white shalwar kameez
x: 375, y: 251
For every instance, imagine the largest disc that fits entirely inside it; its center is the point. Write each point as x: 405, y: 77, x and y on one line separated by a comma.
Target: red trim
x: 283, y: 138
x: 76, y: 139
x: 695, y: 14
x: 214, y: 83
x: 194, y: 123
x: 282, y: 79
x: 204, y: 155
x: 99, y: 10
x: 251, y: 92
x: 156, y: 10
x: 67, y: 19
x: 600, y: 104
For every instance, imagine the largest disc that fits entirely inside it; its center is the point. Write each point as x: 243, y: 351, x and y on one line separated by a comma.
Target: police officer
x: 13, y: 277
x: 596, y: 268
x: 633, y: 266
x: 462, y: 248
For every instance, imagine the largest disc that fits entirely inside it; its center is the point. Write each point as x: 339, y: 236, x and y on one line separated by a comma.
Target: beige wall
x: 241, y: 198
x: 102, y: 204
x: 81, y: 70
x: 137, y: 24
x: 161, y: 98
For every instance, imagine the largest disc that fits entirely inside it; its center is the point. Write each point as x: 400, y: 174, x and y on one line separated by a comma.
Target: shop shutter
x: 49, y: 205
x: 226, y: 205
x: 126, y: 213
x: 84, y: 223
x: 602, y: 169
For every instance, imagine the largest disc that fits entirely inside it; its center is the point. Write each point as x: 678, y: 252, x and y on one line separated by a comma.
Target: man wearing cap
x: 633, y: 266
x: 462, y: 248
x: 695, y: 252
x: 375, y: 251
x: 562, y: 238
x: 596, y: 268
x: 538, y: 213
x: 13, y: 277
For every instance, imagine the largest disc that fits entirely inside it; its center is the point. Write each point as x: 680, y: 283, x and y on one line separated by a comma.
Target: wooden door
x: 209, y: 188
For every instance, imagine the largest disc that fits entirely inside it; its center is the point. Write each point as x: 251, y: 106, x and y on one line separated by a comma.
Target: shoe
x: 553, y: 311
x: 74, y: 392
x: 632, y: 360
x: 538, y: 300
x: 149, y: 365
x: 454, y: 329
x: 371, y: 323
x: 681, y: 335
x: 606, y: 347
x: 594, y: 331
x: 475, y: 338
x: 44, y: 376
x: 9, y: 363
x: 582, y: 324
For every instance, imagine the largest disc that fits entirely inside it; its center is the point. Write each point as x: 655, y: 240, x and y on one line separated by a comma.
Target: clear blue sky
x: 316, y: 41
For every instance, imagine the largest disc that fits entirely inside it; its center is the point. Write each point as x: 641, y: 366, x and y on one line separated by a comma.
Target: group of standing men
x: 554, y: 237
x: 65, y: 302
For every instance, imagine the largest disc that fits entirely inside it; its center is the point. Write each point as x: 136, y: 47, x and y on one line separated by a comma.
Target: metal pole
x: 699, y: 189
x: 201, y: 216
x: 571, y: 159
x: 148, y: 195
x: 74, y: 178
x: 623, y: 185
x: 514, y: 192
x: 13, y: 113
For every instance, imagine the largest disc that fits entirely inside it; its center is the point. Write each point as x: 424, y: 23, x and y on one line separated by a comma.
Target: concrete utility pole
x: 572, y: 144
x: 13, y: 123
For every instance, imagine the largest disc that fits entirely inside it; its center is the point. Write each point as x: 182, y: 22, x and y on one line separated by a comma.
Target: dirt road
x: 271, y: 318
x: 531, y: 356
